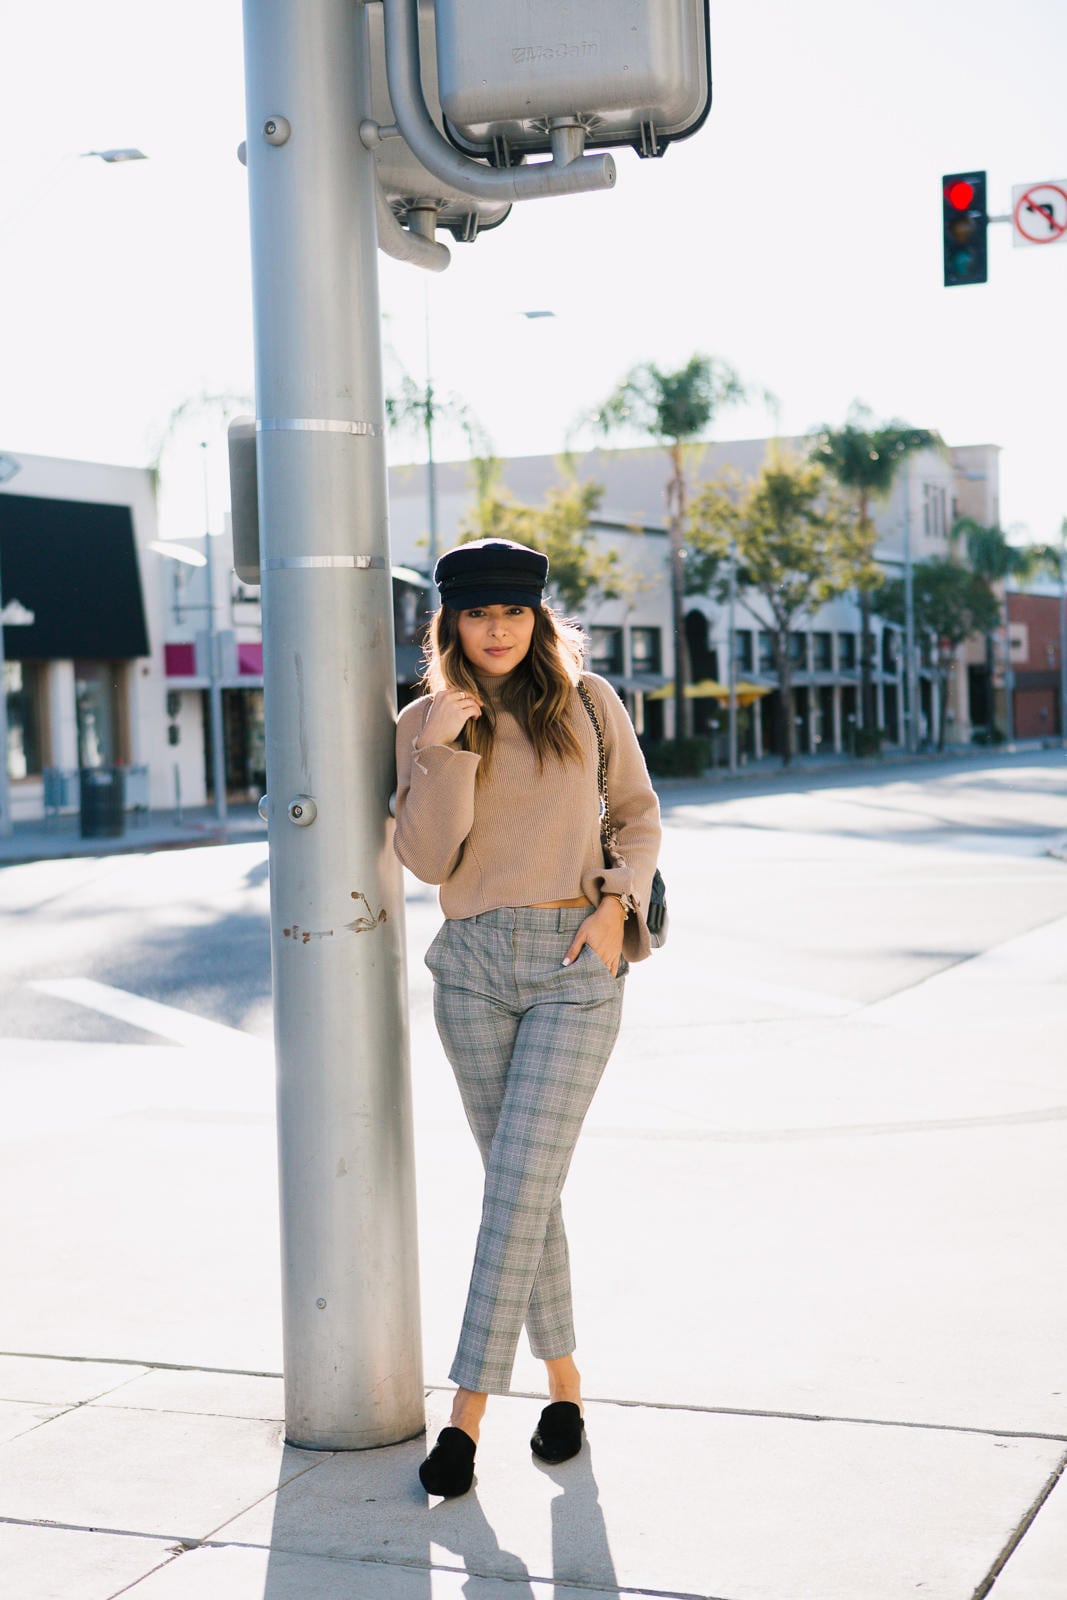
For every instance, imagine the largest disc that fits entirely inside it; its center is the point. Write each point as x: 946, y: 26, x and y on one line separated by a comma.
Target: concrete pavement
x: 816, y: 1224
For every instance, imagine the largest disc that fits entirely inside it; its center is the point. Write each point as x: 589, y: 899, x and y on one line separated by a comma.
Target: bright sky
x: 797, y: 236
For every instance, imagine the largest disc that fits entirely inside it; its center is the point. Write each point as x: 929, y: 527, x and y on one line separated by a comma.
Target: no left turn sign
x: 1039, y: 212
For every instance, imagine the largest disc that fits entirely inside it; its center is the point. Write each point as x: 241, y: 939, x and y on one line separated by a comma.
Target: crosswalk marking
x: 167, y: 1022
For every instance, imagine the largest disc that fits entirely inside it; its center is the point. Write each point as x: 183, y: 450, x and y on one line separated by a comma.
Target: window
x: 605, y: 654
x: 798, y: 649
x: 935, y: 520
x: 24, y: 684
x: 890, y: 649
x: 743, y: 654
x: 846, y: 651
x: 96, y: 690
x: 646, y: 651
x: 766, y: 652
x: 823, y: 651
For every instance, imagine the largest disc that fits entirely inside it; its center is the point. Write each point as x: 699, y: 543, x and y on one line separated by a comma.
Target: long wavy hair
x: 537, y: 692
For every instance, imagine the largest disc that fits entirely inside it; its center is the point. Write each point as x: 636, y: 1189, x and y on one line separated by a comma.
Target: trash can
x: 102, y: 801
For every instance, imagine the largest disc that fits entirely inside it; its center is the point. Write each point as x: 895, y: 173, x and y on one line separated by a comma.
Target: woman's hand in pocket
x: 602, y: 930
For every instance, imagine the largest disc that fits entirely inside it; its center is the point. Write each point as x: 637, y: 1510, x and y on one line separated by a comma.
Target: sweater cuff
x: 620, y: 881
x: 436, y: 758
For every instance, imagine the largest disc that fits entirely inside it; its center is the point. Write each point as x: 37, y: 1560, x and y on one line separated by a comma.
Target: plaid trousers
x: 528, y: 1040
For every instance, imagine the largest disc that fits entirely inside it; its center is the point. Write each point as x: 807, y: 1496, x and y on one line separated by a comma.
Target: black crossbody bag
x: 656, y: 914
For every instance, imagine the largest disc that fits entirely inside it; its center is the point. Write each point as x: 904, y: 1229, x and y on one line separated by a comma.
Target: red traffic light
x: 959, y: 194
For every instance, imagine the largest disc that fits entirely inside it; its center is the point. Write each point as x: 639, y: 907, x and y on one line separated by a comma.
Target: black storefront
x: 74, y: 565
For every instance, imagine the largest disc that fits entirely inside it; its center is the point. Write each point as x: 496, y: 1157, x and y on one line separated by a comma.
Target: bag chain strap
x: 602, y: 766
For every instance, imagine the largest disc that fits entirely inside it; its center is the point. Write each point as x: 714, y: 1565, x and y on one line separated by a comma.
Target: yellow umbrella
x: 706, y: 689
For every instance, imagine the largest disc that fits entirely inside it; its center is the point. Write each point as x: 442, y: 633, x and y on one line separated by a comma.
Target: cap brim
x: 491, y: 595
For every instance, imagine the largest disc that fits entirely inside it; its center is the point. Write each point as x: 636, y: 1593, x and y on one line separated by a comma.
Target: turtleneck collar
x: 491, y: 687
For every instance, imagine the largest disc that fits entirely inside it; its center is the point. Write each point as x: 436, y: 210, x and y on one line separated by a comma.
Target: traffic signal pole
x: 353, y: 1375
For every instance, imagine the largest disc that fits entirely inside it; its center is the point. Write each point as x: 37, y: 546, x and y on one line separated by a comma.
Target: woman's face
x: 495, y: 639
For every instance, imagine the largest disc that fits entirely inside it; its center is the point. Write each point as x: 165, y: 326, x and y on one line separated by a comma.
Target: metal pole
x: 353, y: 1369
x: 431, y: 466
x: 5, y: 786
x: 1063, y: 633
x: 1009, y: 673
x: 911, y: 724
x: 218, y: 747
x: 731, y: 647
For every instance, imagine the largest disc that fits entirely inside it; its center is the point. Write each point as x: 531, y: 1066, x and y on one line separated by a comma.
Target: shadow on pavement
x: 368, y: 1507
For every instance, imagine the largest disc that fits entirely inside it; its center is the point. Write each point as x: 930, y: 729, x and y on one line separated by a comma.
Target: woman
x: 498, y: 803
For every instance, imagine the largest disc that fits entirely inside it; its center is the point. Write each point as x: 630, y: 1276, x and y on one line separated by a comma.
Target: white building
x: 113, y: 671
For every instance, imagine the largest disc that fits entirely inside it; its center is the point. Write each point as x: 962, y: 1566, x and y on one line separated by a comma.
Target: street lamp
x: 428, y: 411
x: 911, y: 685
x: 127, y: 153
x: 193, y: 558
x: 731, y: 651
x: 218, y: 757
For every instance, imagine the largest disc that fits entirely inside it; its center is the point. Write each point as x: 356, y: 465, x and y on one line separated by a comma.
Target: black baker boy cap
x: 491, y: 572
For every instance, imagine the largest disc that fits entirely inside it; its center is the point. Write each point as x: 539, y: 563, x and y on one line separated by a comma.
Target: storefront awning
x: 74, y: 565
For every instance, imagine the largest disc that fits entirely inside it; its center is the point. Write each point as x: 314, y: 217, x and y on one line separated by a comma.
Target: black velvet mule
x: 558, y: 1435
x: 449, y: 1468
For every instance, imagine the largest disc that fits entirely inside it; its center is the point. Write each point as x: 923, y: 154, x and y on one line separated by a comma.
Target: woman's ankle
x: 564, y: 1381
x: 468, y: 1409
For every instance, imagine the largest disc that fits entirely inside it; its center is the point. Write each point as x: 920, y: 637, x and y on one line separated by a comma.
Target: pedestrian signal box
x: 634, y: 72
x: 407, y: 184
x: 964, y: 226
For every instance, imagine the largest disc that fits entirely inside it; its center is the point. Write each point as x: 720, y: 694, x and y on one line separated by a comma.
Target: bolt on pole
x: 353, y: 1371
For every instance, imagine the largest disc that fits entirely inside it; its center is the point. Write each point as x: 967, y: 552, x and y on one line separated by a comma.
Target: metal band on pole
x: 315, y: 563
x: 350, y: 1305
x: 363, y: 430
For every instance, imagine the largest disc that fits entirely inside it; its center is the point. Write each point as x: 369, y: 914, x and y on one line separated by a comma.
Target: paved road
x: 807, y: 893
x: 824, y: 1176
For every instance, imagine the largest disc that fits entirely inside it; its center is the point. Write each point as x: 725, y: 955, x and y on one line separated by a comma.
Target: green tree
x: 864, y: 457
x: 673, y: 409
x: 950, y: 605
x: 578, y: 570
x: 995, y: 561
x: 797, y: 546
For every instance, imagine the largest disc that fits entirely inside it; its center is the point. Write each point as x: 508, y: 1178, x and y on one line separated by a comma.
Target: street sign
x: 1039, y: 212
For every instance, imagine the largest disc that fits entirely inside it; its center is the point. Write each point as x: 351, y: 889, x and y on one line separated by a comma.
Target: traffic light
x: 964, y: 224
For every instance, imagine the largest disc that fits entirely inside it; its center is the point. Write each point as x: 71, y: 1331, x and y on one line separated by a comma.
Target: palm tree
x: 995, y: 561
x: 865, y: 457
x: 673, y: 408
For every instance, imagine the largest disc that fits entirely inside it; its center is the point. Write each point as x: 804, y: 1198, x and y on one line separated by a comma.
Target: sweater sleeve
x: 634, y: 807
x: 434, y: 799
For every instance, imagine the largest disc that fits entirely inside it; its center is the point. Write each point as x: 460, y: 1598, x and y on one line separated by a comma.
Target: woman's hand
x: 452, y: 709
x: 603, y: 930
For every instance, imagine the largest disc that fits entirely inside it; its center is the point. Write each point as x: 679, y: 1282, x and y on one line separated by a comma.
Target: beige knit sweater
x: 523, y: 835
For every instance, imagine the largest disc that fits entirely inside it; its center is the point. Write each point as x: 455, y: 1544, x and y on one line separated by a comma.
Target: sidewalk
x: 819, y: 1280
x: 60, y: 837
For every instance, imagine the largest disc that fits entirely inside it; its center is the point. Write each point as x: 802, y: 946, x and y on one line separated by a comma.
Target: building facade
x: 114, y: 670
